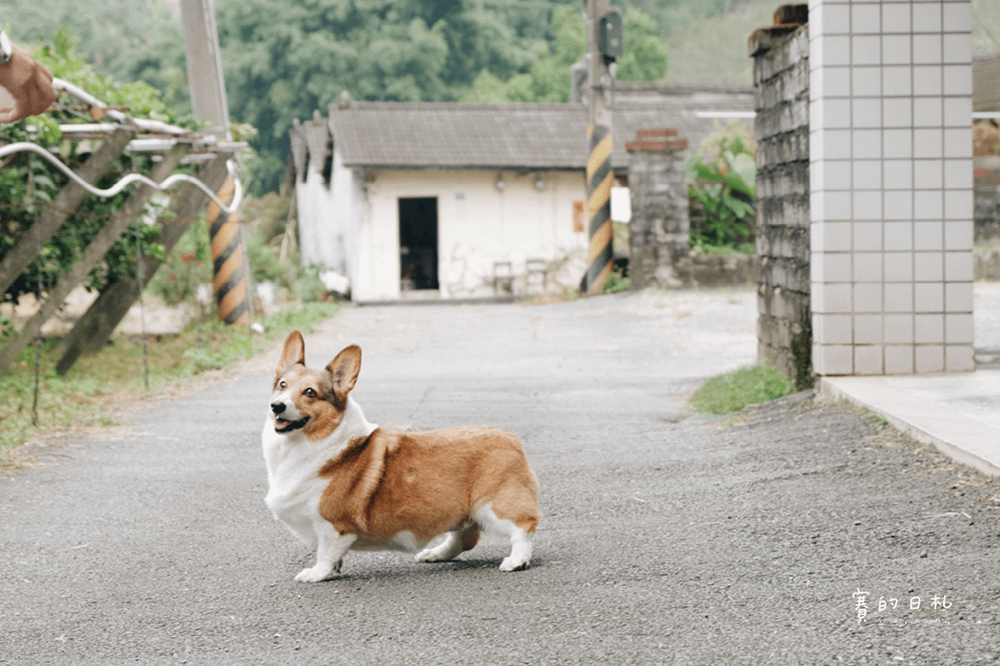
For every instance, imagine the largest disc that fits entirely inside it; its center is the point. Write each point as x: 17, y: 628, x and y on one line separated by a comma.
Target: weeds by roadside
x: 735, y: 390
x: 90, y: 392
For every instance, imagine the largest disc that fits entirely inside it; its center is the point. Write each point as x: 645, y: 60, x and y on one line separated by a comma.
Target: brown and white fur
x: 340, y: 482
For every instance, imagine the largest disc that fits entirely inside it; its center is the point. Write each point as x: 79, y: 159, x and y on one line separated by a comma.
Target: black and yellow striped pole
x: 604, y: 45
x: 232, y: 276
x: 599, y: 180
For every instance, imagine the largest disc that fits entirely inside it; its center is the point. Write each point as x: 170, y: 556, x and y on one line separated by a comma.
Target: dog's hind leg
x: 519, y: 535
x: 520, y: 551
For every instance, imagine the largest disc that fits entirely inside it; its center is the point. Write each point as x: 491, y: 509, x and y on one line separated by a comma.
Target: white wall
x: 320, y: 240
x: 478, y: 225
x: 891, y: 186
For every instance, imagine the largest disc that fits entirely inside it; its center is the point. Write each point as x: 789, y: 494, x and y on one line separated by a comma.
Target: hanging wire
x: 38, y: 339
x: 142, y: 308
x: 132, y: 177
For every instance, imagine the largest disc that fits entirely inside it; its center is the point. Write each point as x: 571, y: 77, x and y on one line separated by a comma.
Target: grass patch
x: 874, y: 416
x: 743, y: 249
x: 735, y: 390
x: 96, y: 386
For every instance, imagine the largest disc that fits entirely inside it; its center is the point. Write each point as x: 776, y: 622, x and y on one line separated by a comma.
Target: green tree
x: 284, y: 60
x: 123, y: 40
x: 547, y: 78
x: 28, y: 182
x: 645, y: 52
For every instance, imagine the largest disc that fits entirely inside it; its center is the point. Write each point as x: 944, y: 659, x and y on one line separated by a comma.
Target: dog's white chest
x: 294, y: 485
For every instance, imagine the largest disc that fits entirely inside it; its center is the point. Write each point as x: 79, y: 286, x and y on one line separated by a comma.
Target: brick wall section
x: 781, y: 83
x: 659, y: 232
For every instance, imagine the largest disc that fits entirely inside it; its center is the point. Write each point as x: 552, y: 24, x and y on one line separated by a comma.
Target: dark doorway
x: 418, y: 232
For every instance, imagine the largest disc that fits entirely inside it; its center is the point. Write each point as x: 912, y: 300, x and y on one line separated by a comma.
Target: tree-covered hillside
x: 285, y: 58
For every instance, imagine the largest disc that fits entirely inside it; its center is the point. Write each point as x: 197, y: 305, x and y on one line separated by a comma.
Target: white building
x: 449, y: 200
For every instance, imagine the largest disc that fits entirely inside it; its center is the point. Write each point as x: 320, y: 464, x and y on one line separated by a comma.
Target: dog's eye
x: 282, y: 384
x: 310, y: 393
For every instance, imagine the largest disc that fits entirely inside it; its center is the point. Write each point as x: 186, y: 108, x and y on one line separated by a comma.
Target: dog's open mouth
x: 282, y: 425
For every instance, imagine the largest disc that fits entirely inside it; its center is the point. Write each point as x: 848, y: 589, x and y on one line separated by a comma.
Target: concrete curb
x: 962, y: 439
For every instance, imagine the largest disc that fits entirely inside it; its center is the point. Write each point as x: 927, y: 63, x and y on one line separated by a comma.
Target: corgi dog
x: 340, y: 482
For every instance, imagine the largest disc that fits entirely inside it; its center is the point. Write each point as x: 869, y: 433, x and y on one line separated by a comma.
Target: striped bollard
x: 232, y: 276
x: 599, y: 181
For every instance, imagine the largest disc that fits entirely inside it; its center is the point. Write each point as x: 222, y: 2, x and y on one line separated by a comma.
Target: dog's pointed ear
x: 293, y: 352
x: 344, y: 372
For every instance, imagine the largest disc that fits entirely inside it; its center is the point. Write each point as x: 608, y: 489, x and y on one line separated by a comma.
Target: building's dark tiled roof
x: 447, y: 135
x: 450, y: 135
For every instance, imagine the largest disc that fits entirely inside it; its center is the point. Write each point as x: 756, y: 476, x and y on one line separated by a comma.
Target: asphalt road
x: 668, y: 538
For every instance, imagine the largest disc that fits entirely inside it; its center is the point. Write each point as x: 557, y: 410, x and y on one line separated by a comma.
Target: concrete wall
x: 891, y: 186
x: 784, y: 326
x: 659, y: 231
x: 479, y: 225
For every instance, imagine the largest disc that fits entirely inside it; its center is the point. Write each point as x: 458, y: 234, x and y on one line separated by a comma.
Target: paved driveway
x: 667, y: 538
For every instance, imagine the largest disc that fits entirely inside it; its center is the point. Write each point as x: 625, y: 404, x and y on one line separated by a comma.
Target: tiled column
x: 891, y: 186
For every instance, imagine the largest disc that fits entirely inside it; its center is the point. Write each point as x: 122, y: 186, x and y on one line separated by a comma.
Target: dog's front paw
x: 314, y: 574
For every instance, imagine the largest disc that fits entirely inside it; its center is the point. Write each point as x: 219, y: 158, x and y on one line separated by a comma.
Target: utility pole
x: 204, y: 66
x: 604, y: 45
x: 208, y: 102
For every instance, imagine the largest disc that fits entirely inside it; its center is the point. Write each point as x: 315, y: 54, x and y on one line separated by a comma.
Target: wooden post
x: 204, y: 65
x: 97, y: 248
x: 92, y: 330
x: 69, y: 197
x: 599, y: 175
x: 208, y: 102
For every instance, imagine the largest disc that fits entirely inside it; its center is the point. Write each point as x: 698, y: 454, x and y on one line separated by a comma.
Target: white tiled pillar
x: 891, y: 186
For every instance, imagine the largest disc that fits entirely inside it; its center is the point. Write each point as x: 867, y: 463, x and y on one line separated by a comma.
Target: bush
x: 28, y: 183
x: 722, y: 179
x: 190, y: 263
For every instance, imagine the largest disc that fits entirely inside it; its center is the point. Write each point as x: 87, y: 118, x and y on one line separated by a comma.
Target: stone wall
x: 659, y: 231
x: 781, y: 81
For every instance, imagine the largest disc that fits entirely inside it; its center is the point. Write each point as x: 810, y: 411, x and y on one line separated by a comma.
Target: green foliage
x: 722, y: 178
x: 284, y: 60
x: 735, y: 390
x: 189, y: 265
x: 547, y: 79
x: 308, y: 287
x: 238, y: 348
x: 708, y: 37
x: 645, y: 52
x: 124, y: 40
x: 28, y: 182
x: 97, y: 385
x: 617, y: 282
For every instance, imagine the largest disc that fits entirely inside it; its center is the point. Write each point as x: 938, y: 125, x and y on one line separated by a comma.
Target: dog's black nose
x: 277, y: 407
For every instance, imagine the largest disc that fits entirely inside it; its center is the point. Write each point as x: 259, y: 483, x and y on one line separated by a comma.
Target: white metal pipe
x: 132, y: 177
